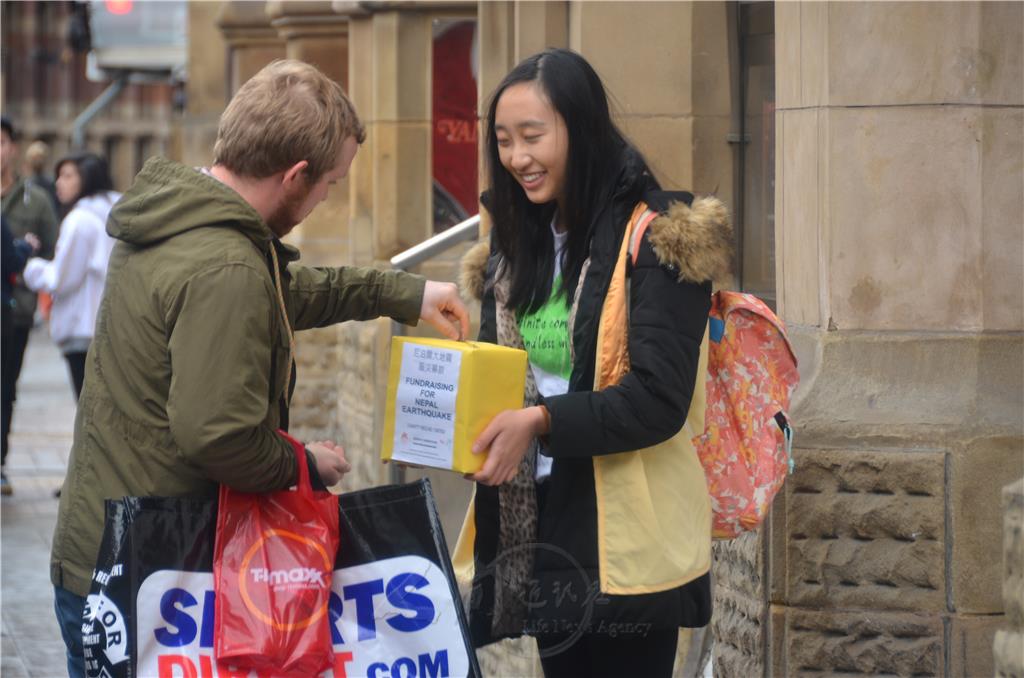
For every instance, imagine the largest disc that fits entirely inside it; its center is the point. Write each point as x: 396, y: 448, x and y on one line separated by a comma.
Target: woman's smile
x: 532, y: 181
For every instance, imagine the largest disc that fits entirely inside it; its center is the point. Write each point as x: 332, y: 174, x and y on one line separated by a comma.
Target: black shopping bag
x: 394, y: 607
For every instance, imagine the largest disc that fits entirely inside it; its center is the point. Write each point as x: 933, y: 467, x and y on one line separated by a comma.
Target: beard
x: 289, y: 213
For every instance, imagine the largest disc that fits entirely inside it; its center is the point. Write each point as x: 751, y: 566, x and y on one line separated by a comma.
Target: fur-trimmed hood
x: 695, y: 240
x: 473, y: 270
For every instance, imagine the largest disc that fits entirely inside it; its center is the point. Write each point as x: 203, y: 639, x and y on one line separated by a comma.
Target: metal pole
x: 92, y: 110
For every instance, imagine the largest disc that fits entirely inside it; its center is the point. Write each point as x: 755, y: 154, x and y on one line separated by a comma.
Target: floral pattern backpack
x: 747, y: 445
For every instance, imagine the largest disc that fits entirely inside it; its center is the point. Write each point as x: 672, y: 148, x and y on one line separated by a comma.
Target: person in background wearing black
x: 15, y: 255
x: 27, y: 210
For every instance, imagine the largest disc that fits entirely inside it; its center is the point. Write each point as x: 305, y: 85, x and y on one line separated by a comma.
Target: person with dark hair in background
x: 77, y: 272
x: 27, y: 209
x: 590, y: 526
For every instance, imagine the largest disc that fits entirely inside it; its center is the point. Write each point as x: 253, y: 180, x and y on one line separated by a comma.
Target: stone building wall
x: 898, y: 244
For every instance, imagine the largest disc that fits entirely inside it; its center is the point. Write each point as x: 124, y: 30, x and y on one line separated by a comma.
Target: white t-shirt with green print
x: 545, y: 335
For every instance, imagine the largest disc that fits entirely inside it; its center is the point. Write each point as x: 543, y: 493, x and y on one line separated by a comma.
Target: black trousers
x: 598, y: 655
x: 76, y: 365
x: 15, y: 339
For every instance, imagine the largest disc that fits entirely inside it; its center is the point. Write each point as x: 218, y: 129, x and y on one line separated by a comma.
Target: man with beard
x: 189, y: 375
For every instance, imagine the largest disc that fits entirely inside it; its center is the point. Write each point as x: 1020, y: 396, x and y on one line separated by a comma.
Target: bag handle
x: 304, y: 486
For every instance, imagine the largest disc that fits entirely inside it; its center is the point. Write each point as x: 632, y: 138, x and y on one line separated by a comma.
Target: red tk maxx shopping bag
x: 272, y: 564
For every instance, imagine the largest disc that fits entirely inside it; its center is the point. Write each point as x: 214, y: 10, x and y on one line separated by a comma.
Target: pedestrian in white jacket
x: 75, y: 276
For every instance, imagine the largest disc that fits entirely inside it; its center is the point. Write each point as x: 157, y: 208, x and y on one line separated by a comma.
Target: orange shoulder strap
x: 639, y: 228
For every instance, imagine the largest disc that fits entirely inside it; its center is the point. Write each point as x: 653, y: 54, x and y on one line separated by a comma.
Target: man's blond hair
x: 286, y: 113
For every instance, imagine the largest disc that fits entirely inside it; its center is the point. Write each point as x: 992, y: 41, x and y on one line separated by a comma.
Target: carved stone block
x: 737, y: 622
x: 863, y: 643
x: 866, y: 530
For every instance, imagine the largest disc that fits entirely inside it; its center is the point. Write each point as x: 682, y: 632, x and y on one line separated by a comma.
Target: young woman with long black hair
x: 590, y: 526
x: 76, y: 275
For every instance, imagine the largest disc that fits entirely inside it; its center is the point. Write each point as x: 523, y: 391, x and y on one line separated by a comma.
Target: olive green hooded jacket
x: 187, y: 375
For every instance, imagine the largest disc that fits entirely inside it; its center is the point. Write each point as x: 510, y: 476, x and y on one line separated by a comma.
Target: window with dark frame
x: 756, y: 224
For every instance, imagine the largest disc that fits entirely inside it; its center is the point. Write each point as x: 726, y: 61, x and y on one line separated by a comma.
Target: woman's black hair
x: 597, y: 155
x: 93, y: 171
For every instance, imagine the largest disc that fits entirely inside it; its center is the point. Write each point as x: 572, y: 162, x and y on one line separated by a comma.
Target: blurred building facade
x: 45, y: 87
x: 872, y: 155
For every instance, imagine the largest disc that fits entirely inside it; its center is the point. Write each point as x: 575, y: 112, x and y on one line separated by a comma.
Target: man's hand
x: 33, y: 241
x: 330, y: 461
x: 508, y: 436
x: 443, y: 309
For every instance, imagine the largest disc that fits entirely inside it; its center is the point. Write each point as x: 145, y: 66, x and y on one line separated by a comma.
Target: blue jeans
x: 69, y: 609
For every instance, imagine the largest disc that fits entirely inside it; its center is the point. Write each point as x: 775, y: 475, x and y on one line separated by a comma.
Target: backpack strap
x: 641, y: 219
x: 639, y: 228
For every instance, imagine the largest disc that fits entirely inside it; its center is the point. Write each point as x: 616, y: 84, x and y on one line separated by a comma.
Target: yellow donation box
x: 441, y: 396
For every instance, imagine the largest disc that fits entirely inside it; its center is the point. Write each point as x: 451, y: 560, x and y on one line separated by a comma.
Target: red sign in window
x: 454, y: 114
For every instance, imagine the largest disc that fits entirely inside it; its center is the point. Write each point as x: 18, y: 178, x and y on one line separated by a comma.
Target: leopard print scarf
x: 517, y: 499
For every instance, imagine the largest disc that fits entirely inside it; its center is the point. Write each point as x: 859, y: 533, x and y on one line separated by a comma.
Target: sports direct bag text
x: 392, y: 606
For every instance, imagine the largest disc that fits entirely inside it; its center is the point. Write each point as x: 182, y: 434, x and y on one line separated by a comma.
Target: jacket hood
x: 168, y: 198
x: 695, y: 240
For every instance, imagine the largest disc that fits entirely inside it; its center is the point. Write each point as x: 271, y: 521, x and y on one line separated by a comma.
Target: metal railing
x: 414, y: 256
x: 435, y: 245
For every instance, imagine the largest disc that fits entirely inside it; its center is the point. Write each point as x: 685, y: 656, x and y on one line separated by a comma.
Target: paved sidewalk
x: 40, y: 441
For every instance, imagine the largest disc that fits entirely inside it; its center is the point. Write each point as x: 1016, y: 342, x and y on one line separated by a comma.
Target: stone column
x: 669, y: 83
x: 314, y: 33
x: 252, y: 42
x: 496, y: 39
x: 361, y: 180
x: 206, y: 91
x: 899, y: 239
x: 650, y: 80
x: 390, y: 78
x: 539, y: 25
x: 401, y: 130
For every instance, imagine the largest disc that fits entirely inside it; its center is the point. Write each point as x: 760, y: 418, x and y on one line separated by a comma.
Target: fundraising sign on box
x: 441, y: 395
